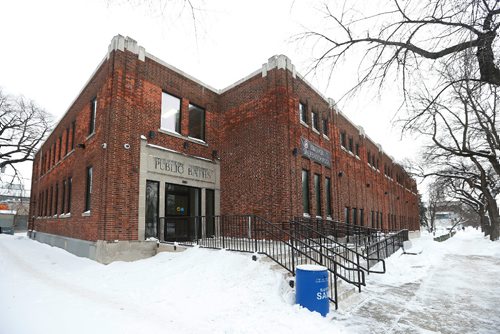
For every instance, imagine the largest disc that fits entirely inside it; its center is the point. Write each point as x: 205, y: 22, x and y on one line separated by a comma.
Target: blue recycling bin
x: 311, y: 288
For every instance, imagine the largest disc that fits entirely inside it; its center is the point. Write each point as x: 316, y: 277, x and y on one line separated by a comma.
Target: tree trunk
x: 494, y: 219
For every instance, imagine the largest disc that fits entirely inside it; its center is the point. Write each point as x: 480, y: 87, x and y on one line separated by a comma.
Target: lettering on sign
x: 181, y: 169
x: 315, y: 153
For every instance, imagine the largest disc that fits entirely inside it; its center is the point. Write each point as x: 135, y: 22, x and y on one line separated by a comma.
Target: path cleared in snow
x: 451, y: 287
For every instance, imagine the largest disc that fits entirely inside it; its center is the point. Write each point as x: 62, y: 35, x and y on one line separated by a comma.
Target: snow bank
x: 44, y: 289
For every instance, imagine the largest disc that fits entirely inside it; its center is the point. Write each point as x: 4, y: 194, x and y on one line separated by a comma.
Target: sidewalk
x: 452, y: 287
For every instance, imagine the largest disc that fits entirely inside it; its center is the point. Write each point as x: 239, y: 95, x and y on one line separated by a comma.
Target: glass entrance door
x: 182, y: 203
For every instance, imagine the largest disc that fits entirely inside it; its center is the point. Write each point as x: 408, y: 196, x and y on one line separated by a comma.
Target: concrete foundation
x: 101, y: 251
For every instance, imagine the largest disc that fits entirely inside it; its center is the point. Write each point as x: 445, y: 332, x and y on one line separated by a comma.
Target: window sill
x: 315, y: 130
x: 304, y: 124
x: 86, y: 214
x: 178, y: 135
x: 65, y: 215
x: 326, y: 137
x: 90, y: 136
x: 306, y: 215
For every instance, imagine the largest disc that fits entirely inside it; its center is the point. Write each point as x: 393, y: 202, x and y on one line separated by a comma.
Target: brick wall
x: 252, y: 127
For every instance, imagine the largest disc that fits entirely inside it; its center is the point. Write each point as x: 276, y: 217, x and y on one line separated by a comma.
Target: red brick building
x: 144, y: 140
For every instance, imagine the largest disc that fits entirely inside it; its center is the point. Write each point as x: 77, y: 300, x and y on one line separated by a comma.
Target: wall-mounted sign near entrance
x: 184, y: 169
x: 315, y: 153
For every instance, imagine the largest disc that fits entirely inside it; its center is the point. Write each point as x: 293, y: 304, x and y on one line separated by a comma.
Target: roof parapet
x: 126, y: 43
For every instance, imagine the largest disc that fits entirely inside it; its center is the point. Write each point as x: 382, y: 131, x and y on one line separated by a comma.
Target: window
x: 361, y: 217
x: 315, y: 120
x: 351, y: 144
x: 373, y: 219
x: 303, y: 112
x: 70, y: 181
x: 51, y: 198
x: 325, y: 127
x: 59, y: 151
x: 356, y: 147
x: 88, y: 188
x: 369, y: 157
x: 46, y: 202
x: 355, y: 216
x: 343, y: 140
x: 305, y: 191
x: 93, y: 110
x: 66, y: 149
x: 381, y: 222
x: 56, y: 197
x: 170, y: 113
x: 347, y: 212
x: 328, y: 197
x: 317, y: 193
x: 196, y: 122
x: 73, y: 130
x: 63, y: 197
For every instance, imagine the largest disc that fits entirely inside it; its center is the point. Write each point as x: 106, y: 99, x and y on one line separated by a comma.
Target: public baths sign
x: 315, y: 153
x: 182, y: 169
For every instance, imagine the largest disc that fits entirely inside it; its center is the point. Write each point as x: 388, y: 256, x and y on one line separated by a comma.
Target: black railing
x: 347, y: 251
x: 256, y: 235
x: 364, y: 245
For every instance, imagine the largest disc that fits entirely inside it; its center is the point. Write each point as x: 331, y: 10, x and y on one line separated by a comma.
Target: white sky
x: 50, y: 48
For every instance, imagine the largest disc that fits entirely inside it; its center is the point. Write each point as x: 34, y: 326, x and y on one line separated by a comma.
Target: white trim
x: 86, y: 213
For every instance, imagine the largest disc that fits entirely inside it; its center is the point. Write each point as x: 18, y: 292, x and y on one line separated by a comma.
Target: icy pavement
x: 452, y: 287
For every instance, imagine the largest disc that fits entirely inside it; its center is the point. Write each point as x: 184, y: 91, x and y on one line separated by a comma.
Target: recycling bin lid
x: 311, y: 267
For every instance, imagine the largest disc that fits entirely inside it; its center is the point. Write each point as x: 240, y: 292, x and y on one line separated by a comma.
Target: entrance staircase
x: 349, y: 252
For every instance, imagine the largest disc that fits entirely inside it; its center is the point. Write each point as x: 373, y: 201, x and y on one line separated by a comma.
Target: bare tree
x: 23, y: 125
x: 436, y: 196
x: 412, y: 39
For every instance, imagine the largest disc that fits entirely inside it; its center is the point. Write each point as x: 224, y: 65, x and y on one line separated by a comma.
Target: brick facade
x: 253, y: 131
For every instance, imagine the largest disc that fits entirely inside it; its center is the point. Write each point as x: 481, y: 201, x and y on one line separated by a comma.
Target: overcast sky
x: 51, y: 47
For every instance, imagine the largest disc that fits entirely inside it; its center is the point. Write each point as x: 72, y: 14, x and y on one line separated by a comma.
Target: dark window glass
x: 325, y: 126
x: 343, y: 139
x: 381, y: 220
x: 210, y: 212
x: 46, y: 202
x: 351, y: 149
x: 170, y: 113
x: 369, y: 156
x: 63, y: 197
x: 305, y: 191
x: 59, y: 156
x: 361, y: 217
x: 66, y: 149
x: 315, y: 120
x: 317, y: 193
x: 51, y: 199
x: 303, y: 112
x: 73, y: 130
x: 88, y: 188
x: 376, y: 220
x: 328, y: 193
x: 347, y: 213
x: 56, y: 198
x: 355, y: 216
x: 196, y: 122
x: 93, y: 110
x: 152, y: 207
x: 70, y: 182
x: 357, y: 149
x: 373, y: 219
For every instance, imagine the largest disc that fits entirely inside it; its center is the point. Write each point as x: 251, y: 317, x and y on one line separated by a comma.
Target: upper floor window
x: 356, y: 147
x: 93, y: 110
x: 325, y: 126
x: 170, y: 113
x: 343, y: 139
x: 196, y: 122
x: 351, y: 144
x: 303, y: 112
x: 315, y: 120
x: 369, y: 156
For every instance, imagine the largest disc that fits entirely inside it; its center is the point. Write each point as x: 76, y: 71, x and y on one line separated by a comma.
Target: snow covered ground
x: 451, y: 287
